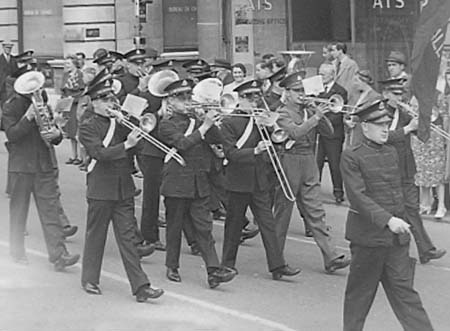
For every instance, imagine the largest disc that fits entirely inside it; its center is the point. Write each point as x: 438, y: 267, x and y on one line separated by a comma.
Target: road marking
x: 201, y: 303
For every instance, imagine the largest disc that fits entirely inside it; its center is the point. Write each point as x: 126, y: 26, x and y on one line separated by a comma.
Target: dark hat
x: 116, y: 55
x: 179, y: 86
x: 25, y: 56
x: 376, y: 111
x: 395, y: 85
x: 22, y: 70
x: 135, y: 55
x: 151, y: 53
x: 294, y: 79
x: 396, y: 56
x: 365, y: 76
x: 100, y: 86
x: 196, y: 66
x: 278, y: 75
x: 220, y: 63
x: 162, y: 64
x: 102, y: 57
x: 249, y: 87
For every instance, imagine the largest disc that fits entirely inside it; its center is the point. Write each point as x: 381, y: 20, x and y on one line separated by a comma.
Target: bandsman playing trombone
x: 186, y: 189
x: 247, y: 183
x: 301, y: 122
x: 110, y: 192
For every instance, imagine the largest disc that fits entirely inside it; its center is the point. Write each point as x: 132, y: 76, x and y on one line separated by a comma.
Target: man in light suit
x: 8, y: 65
x: 346, y: 68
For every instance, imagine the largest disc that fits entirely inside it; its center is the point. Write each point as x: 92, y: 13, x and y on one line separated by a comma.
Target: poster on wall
x: 242, y: 31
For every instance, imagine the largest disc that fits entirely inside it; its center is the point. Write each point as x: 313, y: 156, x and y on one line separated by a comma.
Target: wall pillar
x: 209, y: 27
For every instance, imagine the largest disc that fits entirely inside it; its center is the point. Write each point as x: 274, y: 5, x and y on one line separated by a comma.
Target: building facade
x: 239, y: 30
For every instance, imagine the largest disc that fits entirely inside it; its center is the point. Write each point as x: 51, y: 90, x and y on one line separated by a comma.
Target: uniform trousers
x: 259, y: 203
x: 411, y: 193
x: 332, y: 150
x: 151, y: 168
x: 44, y: 187
x: 182, y: 210
x: 303, y: 176
x: 121, y: 213
x: 394, y: 268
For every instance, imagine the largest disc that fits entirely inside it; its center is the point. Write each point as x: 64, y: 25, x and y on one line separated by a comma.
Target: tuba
x: 159, y: 81
x: 32, y: 82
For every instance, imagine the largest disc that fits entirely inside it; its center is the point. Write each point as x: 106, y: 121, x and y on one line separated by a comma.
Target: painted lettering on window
x: 381, y: 4
x: 260, y: 4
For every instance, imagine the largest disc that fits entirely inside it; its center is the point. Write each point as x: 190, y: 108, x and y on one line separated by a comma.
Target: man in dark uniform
x: 330, y: 147
x: 247, y: 183
x: 32, y: 168
x: 110, y: 194
x: 301, y: 124
x: 136, y: 75
x: 400, y: 137
x: 186, y: 189
x: 8, y: 65
x: 376, y: 227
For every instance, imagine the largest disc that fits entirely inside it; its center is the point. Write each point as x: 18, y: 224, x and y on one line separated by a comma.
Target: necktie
x: 338, y: 67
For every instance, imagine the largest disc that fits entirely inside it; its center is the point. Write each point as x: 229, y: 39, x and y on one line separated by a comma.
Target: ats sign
x: 381, y: 4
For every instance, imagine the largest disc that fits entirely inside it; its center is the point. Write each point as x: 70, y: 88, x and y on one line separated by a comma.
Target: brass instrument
x: 159, y: 81
x: 31, y: 82
x: 147, y: 123
x: 438, y: 130
x: 335, y: 103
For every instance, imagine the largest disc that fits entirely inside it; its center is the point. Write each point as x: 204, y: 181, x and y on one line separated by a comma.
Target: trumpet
x: 437, y: 129
x: 147, y: 123
x: 335, y: 103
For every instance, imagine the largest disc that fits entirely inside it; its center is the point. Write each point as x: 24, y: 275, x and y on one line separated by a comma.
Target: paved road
x: 34, y: 297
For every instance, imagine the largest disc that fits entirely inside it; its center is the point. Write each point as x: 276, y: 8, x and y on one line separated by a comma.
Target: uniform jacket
x: 347, y: 69
x: 303, y: 132
x: 245, y: 171
x: 373, y: 185
x: 402, y: 144
x: 6, y: 69
x: 111, y: 177
x: 27, y: 150
x: 130, y: 85
x: 190, y: 181
x: 336, y: 119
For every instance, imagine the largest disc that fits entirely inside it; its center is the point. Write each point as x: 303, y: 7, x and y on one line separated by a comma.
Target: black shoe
x: 69, y: 230
x: 70, y: 161
x: 77, y: 162
x: 285, y: 271
x: 309, y: 233
x: 221, y: 275
x: 92, y: 288
x: 219, y: 215
x: 249, y: 233
x: 159, y: 246
x: 432, y: 254
x: 195, y: 250
x: 137, y: 192
x: 145, y: 249
x: 161, y: 223
x: 173, y: 275
x: 146, y: 292
x: 339, y: 263
x: 66, y: 260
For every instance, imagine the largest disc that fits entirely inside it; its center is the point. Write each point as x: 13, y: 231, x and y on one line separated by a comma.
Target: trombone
x: 147, y: 123
x: 437, y: 129
x: 274, y: 158
x: 335, y: 103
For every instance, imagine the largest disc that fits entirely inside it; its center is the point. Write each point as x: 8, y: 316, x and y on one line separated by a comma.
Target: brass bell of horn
x: 208, y: 91
x: 336, y: 103
x: 29, y: 82
x: 159, y: 81
x: 148, y: 122
x: 116, y: 86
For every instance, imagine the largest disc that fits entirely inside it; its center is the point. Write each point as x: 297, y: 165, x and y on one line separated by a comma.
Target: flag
x: 426, y: 58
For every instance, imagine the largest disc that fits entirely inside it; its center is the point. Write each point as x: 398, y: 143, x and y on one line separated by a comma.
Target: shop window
x: 320, y: 20
x: 180, y: 25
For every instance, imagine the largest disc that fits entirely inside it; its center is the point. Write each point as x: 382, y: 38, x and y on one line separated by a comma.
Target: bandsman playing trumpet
x: 247, y: 183
x: 110, y: 193
x: 301, y: 122
x: 186, y: 189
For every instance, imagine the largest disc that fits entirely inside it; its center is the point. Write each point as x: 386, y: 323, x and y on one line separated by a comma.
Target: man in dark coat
x: 32, y: 168
x: 400, y: 137
x: 186, y: 188
x: 330, y: 147
x: 110, y: 193
x: 301, y: 124
x: 377, y: 229
x: 247, y: 183
x: 8, y: 65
